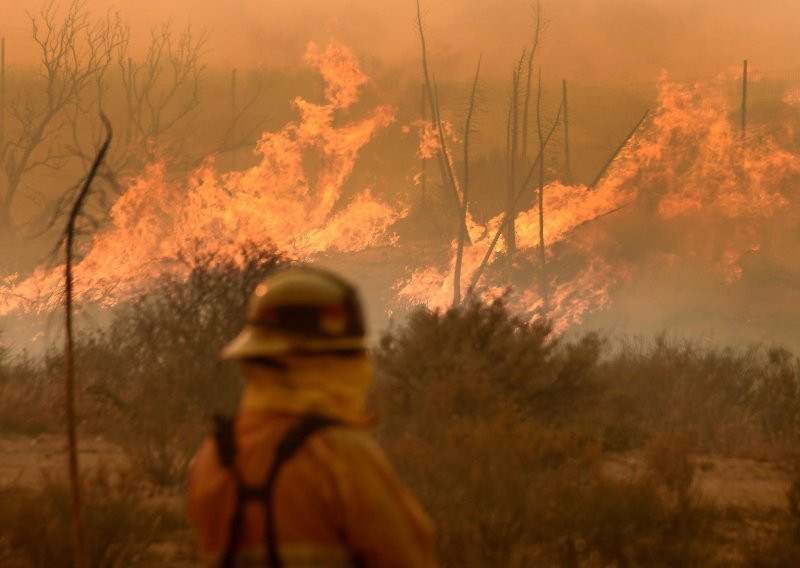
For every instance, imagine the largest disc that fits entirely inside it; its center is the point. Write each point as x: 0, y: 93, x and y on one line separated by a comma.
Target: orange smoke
x: 159, y: 226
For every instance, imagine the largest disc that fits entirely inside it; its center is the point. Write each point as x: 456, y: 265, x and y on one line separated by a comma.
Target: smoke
x: 591, y: 41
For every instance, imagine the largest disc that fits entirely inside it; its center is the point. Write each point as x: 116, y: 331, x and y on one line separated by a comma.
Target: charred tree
x: 544, y: 281
x: 476, y: 276
x: 462, y: 235
x: 512, y: 151
x: 618, y: 150
x: 443, y: 155
x: 423, y: 162
x: 565, y: 106
x: 529, y: 74
x: 161, y: 91
x: 74, y: 55
x: 80, y: 548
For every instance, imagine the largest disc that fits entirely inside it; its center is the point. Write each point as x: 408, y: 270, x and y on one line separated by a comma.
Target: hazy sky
x: 586, y: 41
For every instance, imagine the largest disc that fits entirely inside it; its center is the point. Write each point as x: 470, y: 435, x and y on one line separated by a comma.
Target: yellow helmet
x: 300, y: 310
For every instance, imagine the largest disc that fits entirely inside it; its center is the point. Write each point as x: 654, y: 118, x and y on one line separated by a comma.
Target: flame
x: 689, y: 167
x: 158, y: 225
x: 429, y: 137
x: 694, y: 188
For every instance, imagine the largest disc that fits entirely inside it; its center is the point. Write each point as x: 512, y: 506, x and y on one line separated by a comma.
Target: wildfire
x: 688, y: 188
x: 709, y: 195
x: 159, y: 225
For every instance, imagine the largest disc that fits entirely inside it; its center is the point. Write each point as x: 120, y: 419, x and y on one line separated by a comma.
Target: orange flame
x: 689, y: 162
x: 158, y: 225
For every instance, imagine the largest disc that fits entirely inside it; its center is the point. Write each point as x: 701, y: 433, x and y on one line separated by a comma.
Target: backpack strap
x: 292, y: 441
x: 223, y: 435
x: 226, y: 450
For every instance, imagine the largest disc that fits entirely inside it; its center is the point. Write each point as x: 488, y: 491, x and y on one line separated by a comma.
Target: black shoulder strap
x: 292, y: 441
x: 223, y: 434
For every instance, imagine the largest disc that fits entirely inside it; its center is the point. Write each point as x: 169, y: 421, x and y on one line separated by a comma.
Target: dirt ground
x: 24, y: 460
x: 27, y: 461
x: 732, y: 482
x: 756, y: 488
x: 725, y: 482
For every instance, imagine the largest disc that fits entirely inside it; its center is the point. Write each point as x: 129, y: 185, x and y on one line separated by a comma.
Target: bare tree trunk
x: 462, y: 235
x: 619, y: 149
x: 531, y: 55
x: 544, y: 284
x: 80, y: 552
x: 423, y: 162
x: 744, y: 98
x: 513, y: 151
x: 564, y: 105
x: 448, y: 178
x: 233, y: 117
x: 2, y: 92
x: 476, y: 276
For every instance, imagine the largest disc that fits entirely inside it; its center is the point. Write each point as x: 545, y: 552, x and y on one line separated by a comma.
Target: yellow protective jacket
x: 337, y: 502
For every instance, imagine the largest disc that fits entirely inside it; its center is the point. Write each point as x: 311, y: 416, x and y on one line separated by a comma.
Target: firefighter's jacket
x: 337, y: 502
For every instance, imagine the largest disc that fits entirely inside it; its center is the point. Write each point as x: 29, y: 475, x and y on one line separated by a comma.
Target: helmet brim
x: 255, y: 342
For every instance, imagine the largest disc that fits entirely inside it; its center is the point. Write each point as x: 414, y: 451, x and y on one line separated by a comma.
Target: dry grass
x: 123, y: 522
x: 504, y: 433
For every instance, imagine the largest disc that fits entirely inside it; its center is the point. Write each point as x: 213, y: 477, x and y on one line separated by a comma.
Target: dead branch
x: 544, y: 287
x: 163, y: 89
x: 462, y: 235
x: 531, y: 55
x: 443, y: 155
x: 72, y: 54
x: 80, y: 552
x: 617, y: 152
x: 512, y: 150
x: 506, y: 218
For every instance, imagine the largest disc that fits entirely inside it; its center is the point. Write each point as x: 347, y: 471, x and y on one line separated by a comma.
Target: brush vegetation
x: 510, y: 437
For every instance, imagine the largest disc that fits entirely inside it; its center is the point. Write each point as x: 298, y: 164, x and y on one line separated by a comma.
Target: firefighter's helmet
x: 300, y: 310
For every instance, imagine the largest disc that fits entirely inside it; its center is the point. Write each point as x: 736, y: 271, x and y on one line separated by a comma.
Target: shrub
x: 490, y: 421
x: 30, y: 401
x: 36, y: 524
x: 154, y: 373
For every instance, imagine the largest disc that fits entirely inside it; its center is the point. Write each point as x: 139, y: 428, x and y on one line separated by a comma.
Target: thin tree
x: 80, y: 549
x: 163, y: 89
x: 73, y: 51
x: 544, y: 284
x: 565, y: 106
x: 531, y: 55
x: 423, y: 162
x: 462, y: 235
x: 512, y: 151
x: 618, y: 151
x: 518, y: 151
x: 476, y: 276
x: 431, y: 92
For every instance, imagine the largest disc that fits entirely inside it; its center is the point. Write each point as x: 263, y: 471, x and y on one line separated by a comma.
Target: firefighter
x: 295, y: 479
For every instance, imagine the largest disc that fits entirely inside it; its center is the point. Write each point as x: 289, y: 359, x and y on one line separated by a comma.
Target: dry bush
x: 485, y: 416
x: 35, y: 524
x: 154, y: 376
x: 30, y: 401
x: 732, y: 402
x: 476, y: 343
x: 669, y: 460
